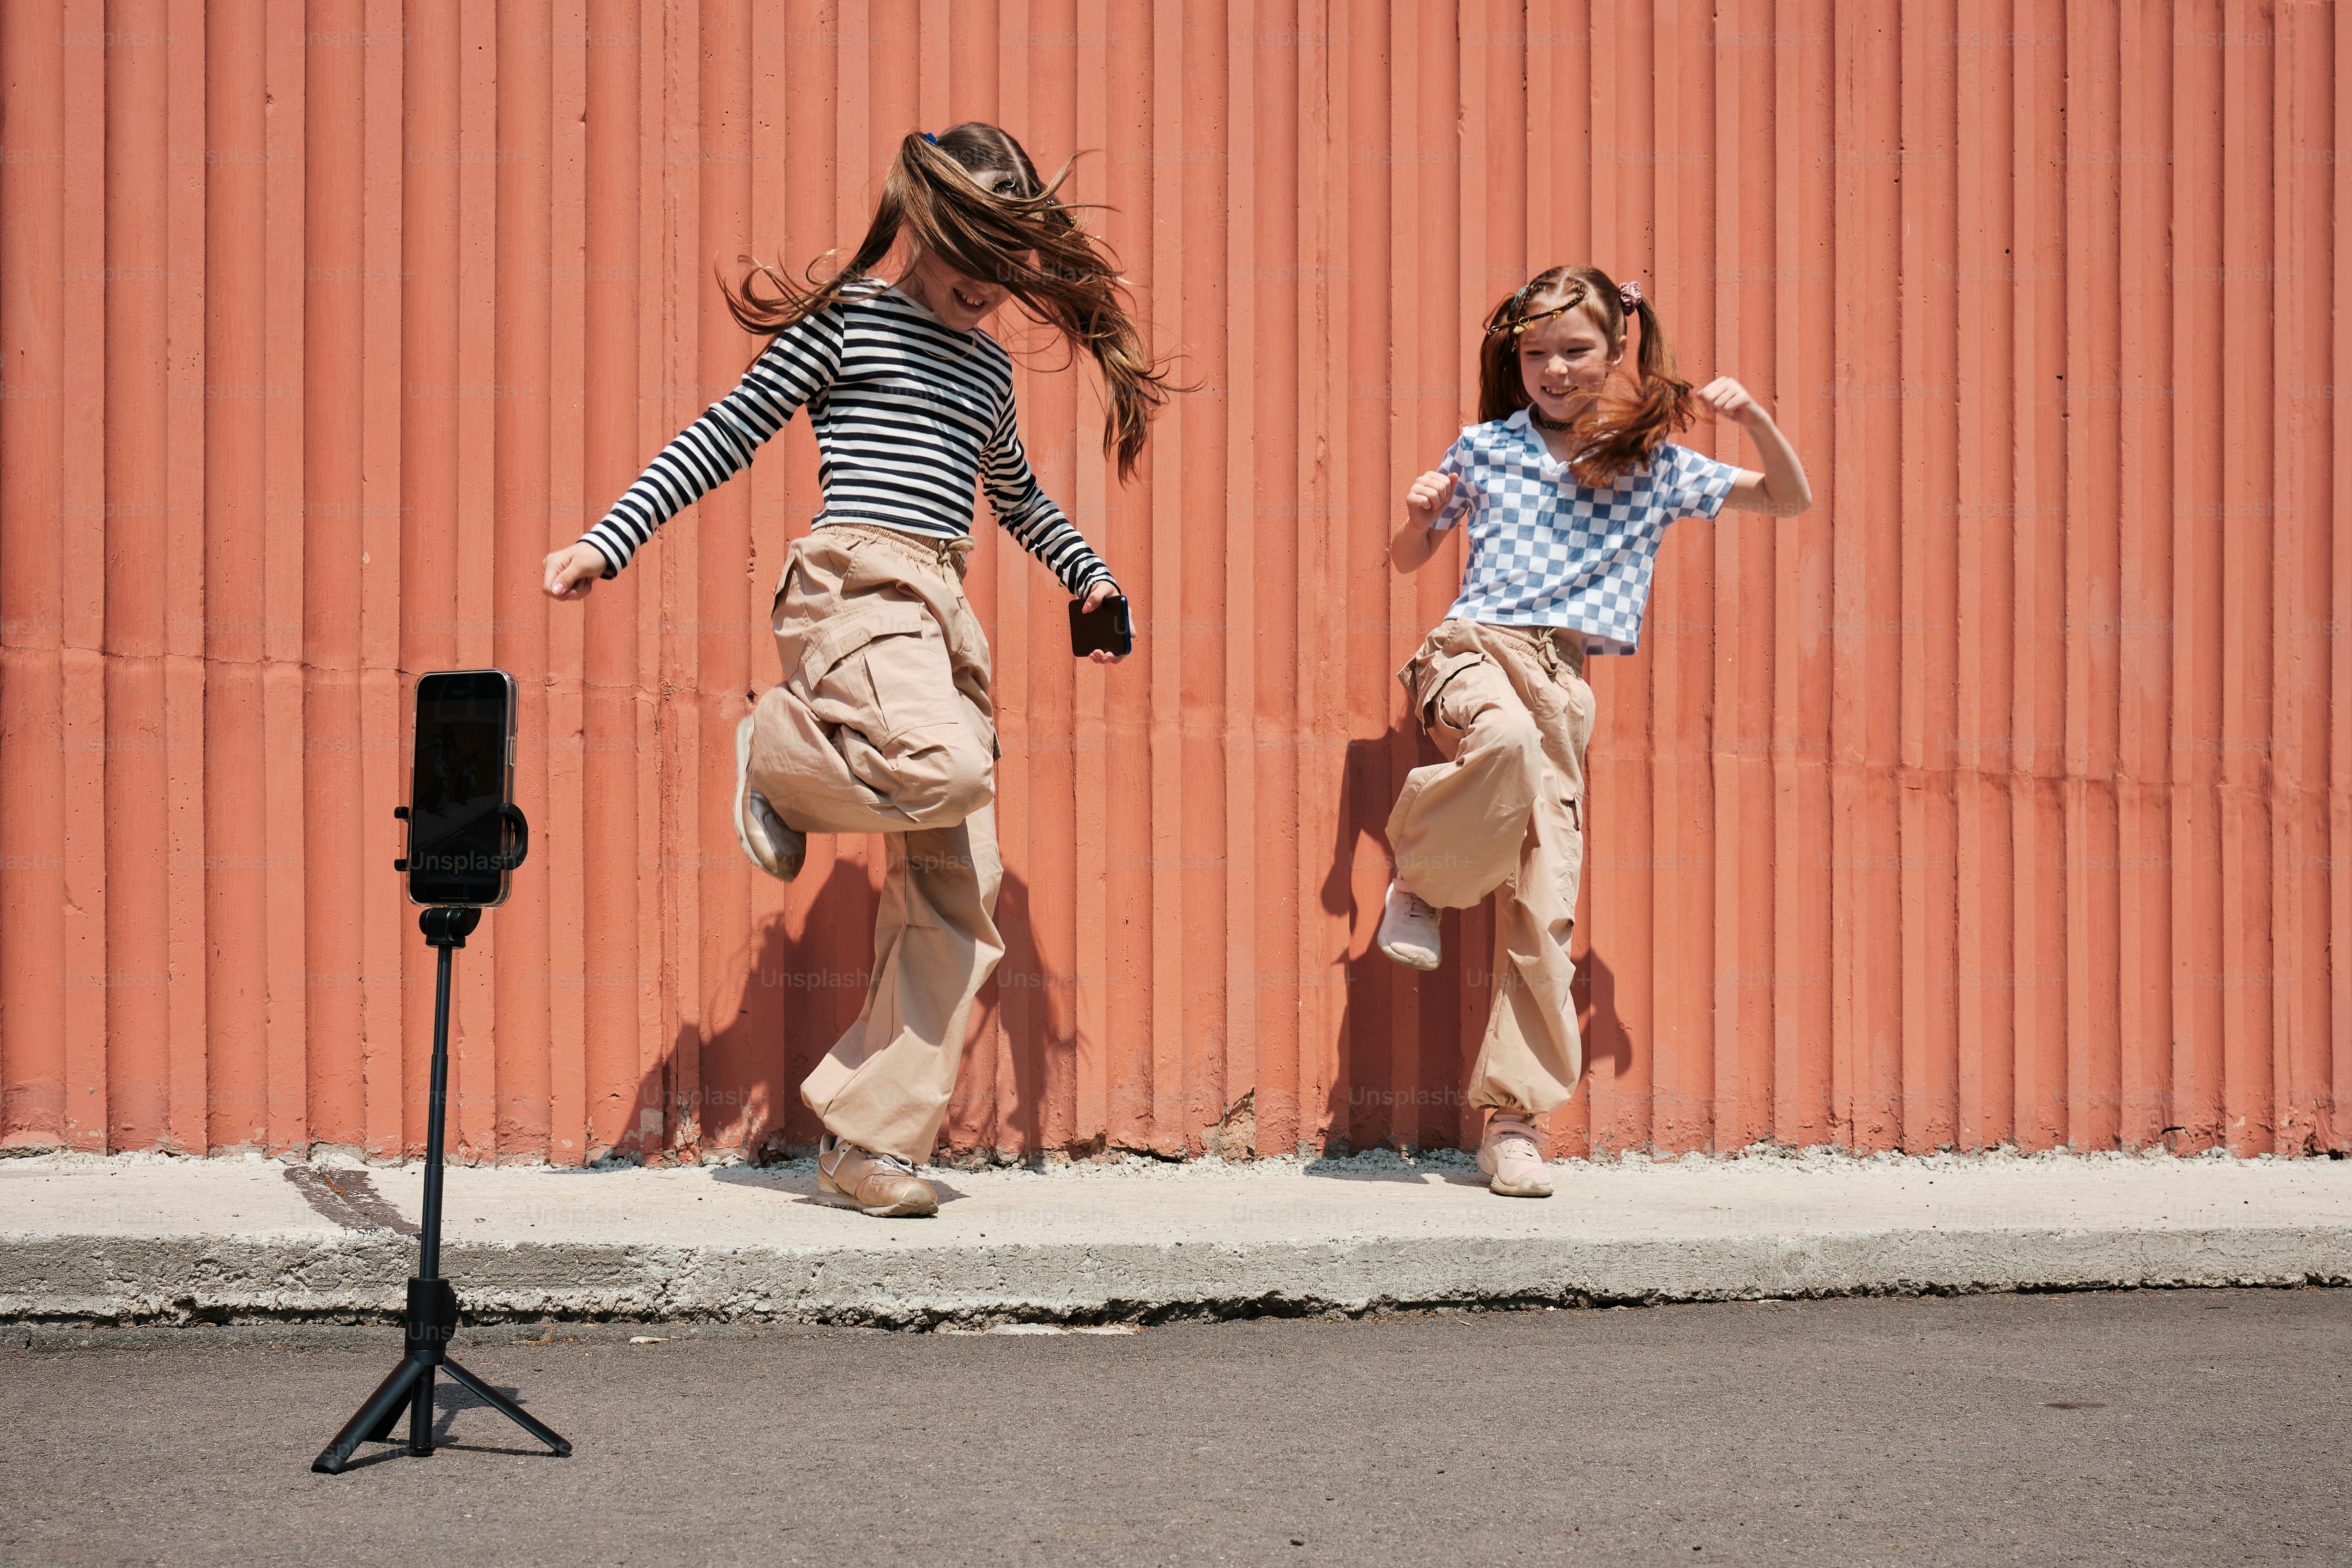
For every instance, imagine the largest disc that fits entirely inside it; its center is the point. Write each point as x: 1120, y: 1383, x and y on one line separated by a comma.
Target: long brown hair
x: 972, y: 198
x: 1627, y: 427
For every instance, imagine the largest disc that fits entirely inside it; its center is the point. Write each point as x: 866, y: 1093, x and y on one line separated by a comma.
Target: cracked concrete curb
x: 151, y: 1240
x: 117, y: 1279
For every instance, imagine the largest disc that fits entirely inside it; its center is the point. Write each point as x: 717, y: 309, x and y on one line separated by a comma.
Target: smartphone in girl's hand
x: 1104, y: 629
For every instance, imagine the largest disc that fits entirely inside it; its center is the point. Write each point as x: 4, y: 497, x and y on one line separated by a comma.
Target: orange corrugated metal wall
x: 2000, y: 799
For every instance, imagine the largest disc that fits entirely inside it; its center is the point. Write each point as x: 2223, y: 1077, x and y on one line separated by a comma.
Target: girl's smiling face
x: 1564, y: 362
x: 960, y: 302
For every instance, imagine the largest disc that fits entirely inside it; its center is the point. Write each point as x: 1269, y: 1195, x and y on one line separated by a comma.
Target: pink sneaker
x: 882, y: 1185
x: 1512, y: 1154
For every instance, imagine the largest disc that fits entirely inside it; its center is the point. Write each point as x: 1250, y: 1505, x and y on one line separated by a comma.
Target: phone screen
x: 457, y: 826
x: 1105, y: 627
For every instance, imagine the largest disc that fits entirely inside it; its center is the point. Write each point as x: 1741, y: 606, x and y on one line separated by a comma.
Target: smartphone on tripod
x: 460, y: 795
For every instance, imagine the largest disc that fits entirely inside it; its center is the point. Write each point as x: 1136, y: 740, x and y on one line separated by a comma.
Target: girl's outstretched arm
x: 801, y: 361
x: 1415, y: 539
x: 1780, y: 488
x: 1029, y: 514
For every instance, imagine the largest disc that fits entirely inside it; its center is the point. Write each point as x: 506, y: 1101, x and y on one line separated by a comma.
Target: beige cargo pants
x: 883, y: 723
x: 1510, y: 711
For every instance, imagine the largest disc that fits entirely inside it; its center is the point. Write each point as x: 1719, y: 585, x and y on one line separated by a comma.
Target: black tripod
x: 432, y: 1303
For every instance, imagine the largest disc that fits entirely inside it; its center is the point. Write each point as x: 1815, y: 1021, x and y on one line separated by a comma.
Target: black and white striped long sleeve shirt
x: 908, y: 414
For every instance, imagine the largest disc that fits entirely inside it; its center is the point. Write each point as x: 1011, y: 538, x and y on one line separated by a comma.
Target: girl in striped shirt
x: 883, y: 721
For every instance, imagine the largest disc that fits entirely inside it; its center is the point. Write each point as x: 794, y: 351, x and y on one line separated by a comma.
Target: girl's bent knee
x: 941, y: 785
x: 1511, y: 733
x: 971, y: 784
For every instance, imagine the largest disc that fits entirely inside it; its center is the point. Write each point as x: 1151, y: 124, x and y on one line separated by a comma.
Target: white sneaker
x: 1511, y: 1155
x: 1408, y: 929
x: 767, y: 842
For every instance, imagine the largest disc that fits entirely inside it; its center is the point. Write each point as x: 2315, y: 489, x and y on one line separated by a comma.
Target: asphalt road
x: 2203, y: 1428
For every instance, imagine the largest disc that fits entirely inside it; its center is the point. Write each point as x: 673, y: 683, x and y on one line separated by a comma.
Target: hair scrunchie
x: 931, y: 139
x: 1629, y: 293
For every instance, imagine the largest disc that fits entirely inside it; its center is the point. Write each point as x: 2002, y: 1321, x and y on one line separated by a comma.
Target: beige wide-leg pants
x: 883, y: 723
x: 1510, y: 711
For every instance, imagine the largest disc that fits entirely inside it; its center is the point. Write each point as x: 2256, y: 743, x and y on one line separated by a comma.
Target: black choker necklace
x: 1537, y: 415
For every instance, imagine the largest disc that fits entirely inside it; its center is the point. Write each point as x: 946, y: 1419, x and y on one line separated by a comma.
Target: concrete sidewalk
x: 150, y: 1238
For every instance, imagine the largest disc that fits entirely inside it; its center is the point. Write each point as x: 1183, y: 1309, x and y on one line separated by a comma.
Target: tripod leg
x: 420, y: 1415
x: 510, y: 1409
x: 381, y: 1431
x: 373, y: 1422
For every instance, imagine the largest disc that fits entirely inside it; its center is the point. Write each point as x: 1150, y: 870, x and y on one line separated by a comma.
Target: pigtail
x: 793, y: 304
x: 972, y: 198
x: 1635, y: 423
x: 1091, y: 316
x: 1501, y: 391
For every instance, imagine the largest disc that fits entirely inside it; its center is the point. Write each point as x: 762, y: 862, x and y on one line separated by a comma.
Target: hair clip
x: 1630, y: 293
x: 931, y: 139
x: 1515, y: 327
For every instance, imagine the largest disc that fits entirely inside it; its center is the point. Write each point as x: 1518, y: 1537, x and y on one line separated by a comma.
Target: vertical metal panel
x: 2001, y: 799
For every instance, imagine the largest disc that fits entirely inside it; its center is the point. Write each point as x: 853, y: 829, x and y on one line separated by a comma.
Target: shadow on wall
x: 1407, y: 1039
x: 1402, y: 1056
x: 788, y: 999
x: 1037, y: 1039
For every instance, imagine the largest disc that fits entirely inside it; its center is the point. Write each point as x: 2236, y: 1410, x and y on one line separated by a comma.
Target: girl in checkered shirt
x: 1568, y: 488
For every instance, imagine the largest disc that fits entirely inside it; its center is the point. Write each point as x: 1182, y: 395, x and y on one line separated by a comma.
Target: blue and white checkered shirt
x: 1548, y: 552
